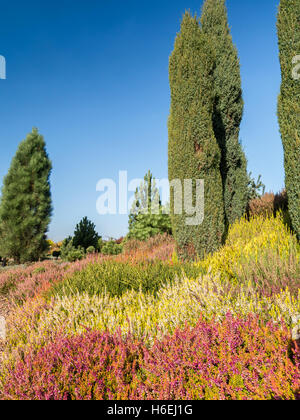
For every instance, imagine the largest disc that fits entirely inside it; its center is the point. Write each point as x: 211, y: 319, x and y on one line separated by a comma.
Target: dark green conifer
x: 193, y: 150
x: 288, y: 26
x: 85, y: 235
x: 228, y: 108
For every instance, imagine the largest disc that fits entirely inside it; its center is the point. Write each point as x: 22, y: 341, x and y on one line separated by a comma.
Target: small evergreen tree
x: 148, y: 217
x: 66, y: 248
x: 193, y: 150
x: 228, y: 108
x: 289, y: 103
x: 25, y: 208
x: 147, y: 199
x: 256, y: 189
x: 69, y: 253
x: 85, y: 235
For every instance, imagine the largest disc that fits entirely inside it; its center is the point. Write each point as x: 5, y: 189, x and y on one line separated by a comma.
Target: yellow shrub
x: 144, y: 315
x: 250, y: 240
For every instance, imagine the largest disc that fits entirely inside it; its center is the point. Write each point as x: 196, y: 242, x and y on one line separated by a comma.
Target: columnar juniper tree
x: 193, y: 150
x: 289, y: 103
x: 228, y: 109
x: 25, y: 208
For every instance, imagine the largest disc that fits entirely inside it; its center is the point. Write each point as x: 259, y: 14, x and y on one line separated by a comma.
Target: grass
x: 116, y: 278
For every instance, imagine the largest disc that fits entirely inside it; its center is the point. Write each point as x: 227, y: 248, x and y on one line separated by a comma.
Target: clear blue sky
x: 93, y: 77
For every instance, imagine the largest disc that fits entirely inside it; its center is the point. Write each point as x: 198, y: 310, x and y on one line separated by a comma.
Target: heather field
x: 144, y: 325
x: 150, y: 218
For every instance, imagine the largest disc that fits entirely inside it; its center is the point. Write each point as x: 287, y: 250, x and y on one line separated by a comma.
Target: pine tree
x: 25, y: 208
x: 193, y: 150
x: 148, y: 217
x: 228, y: 109
x: 289, y: 102
x: 147, y: 199
x: 85, y: 235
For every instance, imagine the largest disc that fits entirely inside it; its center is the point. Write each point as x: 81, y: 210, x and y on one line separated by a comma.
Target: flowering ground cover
x: 144, y: 325
x: 233, y: 359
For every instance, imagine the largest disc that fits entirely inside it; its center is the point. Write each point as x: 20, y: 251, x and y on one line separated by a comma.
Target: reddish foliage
x: 235, y: 359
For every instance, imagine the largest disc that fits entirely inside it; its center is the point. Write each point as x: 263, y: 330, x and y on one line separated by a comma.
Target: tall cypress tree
x: 25, y: 207
x: 193, y: 150
x: 289, y: 102
x: 228, y: 109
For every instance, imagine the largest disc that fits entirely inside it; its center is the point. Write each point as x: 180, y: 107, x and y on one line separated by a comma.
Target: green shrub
x: 75, y: 255
x: 91, y: 250
x: 145, y: 226
x: 118, y: 277
x: 111, y: 248
x: 100, y: 244
x: 69, y: 252
x: 66, y: 248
